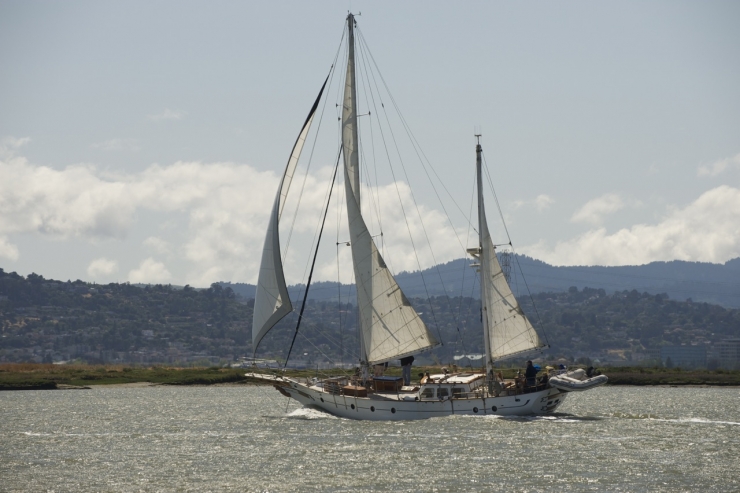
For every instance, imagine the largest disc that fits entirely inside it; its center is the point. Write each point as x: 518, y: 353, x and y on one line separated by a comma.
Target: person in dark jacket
x: 531, y: 374
x: 406, y: 369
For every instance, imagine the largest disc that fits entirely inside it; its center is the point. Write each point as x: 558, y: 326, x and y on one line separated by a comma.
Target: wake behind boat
x: 389, y: 326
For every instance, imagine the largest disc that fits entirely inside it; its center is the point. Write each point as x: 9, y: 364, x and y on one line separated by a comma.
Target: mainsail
x: 508, y: 332
x: 271, y: 301
x: 390, y: 328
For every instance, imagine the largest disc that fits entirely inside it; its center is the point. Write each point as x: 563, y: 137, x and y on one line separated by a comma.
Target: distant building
x: 728, y: 352
x: 684, y: 356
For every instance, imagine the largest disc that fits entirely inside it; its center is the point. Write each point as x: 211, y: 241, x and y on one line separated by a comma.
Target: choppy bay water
x: 243, y: 439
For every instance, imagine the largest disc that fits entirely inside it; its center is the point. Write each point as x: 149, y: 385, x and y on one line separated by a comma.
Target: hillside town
x: 48, y: 321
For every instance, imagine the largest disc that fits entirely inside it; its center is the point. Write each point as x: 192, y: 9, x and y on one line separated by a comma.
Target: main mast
x: 349, y: 114
x: 349, y: 136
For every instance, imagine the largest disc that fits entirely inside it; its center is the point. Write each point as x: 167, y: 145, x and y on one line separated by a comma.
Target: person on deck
x: 531, y: 374
x: 406, y: 369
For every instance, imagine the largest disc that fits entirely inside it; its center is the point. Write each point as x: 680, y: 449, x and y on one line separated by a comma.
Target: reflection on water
x: 254, y: 439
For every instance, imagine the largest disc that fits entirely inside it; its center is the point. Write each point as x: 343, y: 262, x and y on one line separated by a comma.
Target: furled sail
x: 271, y: 302
x: 390, y: 328
x: 508, y: 331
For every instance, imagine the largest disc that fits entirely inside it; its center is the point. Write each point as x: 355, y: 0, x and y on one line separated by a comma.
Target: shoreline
x: 32, y: 376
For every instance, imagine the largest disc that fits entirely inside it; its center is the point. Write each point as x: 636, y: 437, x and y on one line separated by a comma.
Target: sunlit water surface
x: 253, y: 439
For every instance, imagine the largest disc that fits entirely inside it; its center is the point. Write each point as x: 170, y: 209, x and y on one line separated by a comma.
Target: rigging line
x: 307, y: 317
x: 465, y: 264
x: 462, y: 284
x: 340, y: 209
x: 365, y: 49
x: 467, y: 318
x: 332, y: 71
x: 313, y: 149
x: 317, y: 348
x: 418, y: 149
x: 495, y: 197
x: 339, y: 302
x: 534, y: 305
x: 400, y: 200
x: 313, y: 264
x: 365, y: 86
x: 415, y: 146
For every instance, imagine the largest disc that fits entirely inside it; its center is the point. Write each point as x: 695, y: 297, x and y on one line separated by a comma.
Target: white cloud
x: 594, y: 210
x: 71, y: 202
x: 157, y: 244
x: 706, y: 230
x: 718, y: 167
x: 7, y: 249
x: 9, y: 146
x: 150, y: 272
x: 117, y: 145
x: 541, y: 202
x: 167, y: 114
x: 102, y: 267
x: 226, y: 207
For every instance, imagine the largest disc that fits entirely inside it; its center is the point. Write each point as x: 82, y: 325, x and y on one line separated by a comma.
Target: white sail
x: 389, y: 326
x: 271, y: 301
x: 508, y: 332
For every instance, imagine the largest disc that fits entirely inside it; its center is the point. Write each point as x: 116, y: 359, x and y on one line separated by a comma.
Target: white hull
x: 392, y: 406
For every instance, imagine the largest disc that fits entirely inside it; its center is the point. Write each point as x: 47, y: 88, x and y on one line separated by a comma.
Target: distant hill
x: 44, y: 320
x: 680, y: 280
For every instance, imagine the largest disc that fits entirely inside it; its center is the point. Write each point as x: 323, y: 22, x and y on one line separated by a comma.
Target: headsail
x: 508, y: 332
x: 390, y: 328
x: 271, y: 302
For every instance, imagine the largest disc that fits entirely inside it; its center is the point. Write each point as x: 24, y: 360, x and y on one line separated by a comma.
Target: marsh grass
x: 36, y: 376
x: 29, y: 376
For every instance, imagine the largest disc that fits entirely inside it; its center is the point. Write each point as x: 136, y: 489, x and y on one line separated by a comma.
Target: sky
x: 143, y: 141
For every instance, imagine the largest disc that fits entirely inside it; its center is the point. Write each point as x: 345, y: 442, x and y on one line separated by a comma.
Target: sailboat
x: 389, y: 326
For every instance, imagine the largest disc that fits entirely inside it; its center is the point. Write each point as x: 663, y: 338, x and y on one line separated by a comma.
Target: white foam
x: 309, y: 413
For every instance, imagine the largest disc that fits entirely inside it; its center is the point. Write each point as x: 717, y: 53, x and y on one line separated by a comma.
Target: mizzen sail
x: 508, y: 332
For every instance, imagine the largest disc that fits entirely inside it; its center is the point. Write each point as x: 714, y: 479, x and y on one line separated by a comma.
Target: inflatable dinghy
x: 577, y: 380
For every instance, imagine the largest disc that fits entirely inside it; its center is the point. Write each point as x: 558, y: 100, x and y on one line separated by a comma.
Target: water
x: 242, y: 439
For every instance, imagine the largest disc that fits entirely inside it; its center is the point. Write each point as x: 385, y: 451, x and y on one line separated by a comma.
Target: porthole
x: 372, y: 409
x: 393, y: 410
x: 475, y: 409
x: 494, y: 409
x: 352, y: 406
x: 322, y: 399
